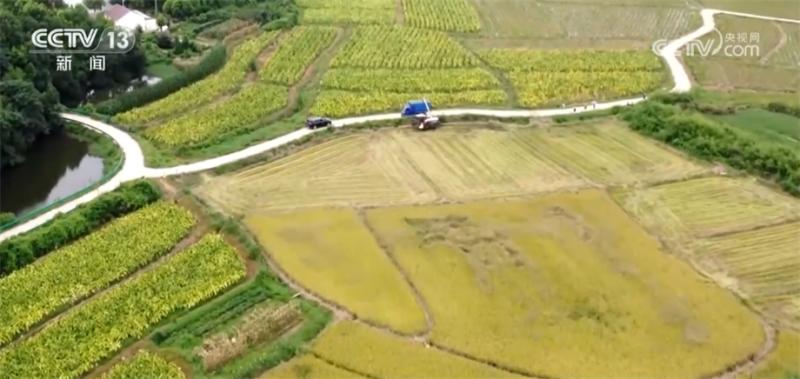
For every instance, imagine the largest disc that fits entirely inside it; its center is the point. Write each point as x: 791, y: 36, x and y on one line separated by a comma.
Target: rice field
x: 309, y: 367
x: 331, y: 253
x: 382, y: 355
x: 543, y: 278
x: 761, y: 265
x: 397, y: 167
x: 708, y: 207
x: 783, y: 362
x: 610, y: 154
x: 347, y: 12
x: 393, y: 168
x: 349, y: 171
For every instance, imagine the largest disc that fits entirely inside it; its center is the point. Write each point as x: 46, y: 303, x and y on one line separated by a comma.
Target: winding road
x: 134, y: 165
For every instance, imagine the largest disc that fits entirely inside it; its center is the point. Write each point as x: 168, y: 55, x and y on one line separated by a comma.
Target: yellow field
x: 382, y: 355
x: 475, y: 163
x: 708, y: 207
x: 762, y: 264
x: 608, y: 153
x: 565, y: 285
x: 309, y: 367
x: 783, y: 362
x: 348, y: 171
x: 331, y: 253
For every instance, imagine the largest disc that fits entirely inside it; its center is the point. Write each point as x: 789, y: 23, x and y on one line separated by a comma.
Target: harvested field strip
x: 711, y: 206
x: 355, y: 170
x: 764, y: 263
x: 88, y: 265
x: 332, y: 253
x: 480, y: 162
x: 542, y: 278
x: 610, y: 154
x: 382, y: 355
x: 95, y: 329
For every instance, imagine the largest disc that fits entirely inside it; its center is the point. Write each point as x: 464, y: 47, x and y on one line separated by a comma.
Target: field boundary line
x: 339, y: 365
x: 339, y: 310
x: 420, y: 300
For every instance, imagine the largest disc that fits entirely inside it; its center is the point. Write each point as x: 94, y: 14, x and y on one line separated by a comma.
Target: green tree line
x: 671, y: 119
x: 31, y: 89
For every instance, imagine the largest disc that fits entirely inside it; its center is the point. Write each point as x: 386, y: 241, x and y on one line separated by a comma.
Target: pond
x: 55, y: 167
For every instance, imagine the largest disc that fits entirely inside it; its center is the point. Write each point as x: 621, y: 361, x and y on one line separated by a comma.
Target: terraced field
x: 329, y: 252
x: 542, y: 278
x: 349, y: 171
x: 708, y: 207
x: 760, y: 264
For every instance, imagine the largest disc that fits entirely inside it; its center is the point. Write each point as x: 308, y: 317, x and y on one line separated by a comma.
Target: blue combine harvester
x: 418, y: 110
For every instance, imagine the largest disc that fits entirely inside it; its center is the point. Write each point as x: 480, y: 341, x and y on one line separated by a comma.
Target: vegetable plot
x: 92, y: 331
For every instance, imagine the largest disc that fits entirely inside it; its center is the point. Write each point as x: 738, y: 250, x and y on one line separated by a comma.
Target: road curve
x: 134, y: 166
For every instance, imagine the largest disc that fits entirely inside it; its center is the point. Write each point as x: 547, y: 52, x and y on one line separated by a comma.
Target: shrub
x: 706, y: 139
x: 19, y: 251
x: 212, y: 62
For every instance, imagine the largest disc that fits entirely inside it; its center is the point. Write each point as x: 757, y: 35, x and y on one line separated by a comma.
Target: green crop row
x: 401, y: 47
x: 19, y: 251
x: 88, y: 265
x: 426, y: 80
x: 145, y: 365
x: 347, y: 11
x: 89, y: 333
x: 238, y: 114
x: 227, y: 80
x: 343, y: 103
x: 295, y: 53
x: 572, y: 60
x: 447, y: 15
x: 539, y: 88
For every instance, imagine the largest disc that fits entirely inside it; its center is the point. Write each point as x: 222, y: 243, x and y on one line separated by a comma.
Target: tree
x: 94, y: 4
x: 30, y: 86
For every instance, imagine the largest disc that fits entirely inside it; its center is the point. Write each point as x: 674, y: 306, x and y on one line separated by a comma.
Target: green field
x: 767, y: 127
x: 581, y: 24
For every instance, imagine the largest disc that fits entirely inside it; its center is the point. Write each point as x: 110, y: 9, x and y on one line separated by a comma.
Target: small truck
x: 417, y: 111
x: 318, y: 122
